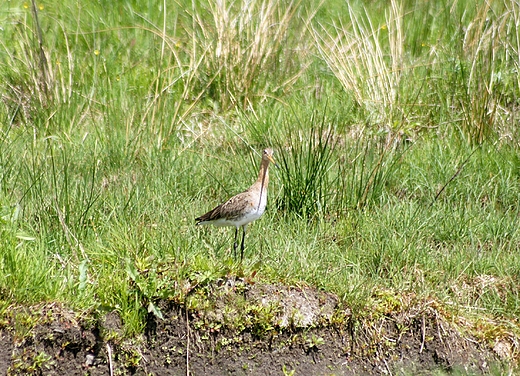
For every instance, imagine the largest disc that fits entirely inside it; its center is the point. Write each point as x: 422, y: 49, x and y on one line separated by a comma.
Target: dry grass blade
x: 486, y: 46
x: 37, y: 76
x: 246, y: 43
x: 363, y: 64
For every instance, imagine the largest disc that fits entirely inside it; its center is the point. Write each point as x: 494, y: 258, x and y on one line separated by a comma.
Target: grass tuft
x: 368, y: 60
x: 245, y: 49
x: 305, y: 159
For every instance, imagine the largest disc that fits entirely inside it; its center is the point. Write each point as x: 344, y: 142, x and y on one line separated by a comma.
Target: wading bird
x: 245, y: 207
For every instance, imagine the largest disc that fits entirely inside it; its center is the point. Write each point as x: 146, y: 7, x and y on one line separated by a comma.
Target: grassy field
x: 395, y: 128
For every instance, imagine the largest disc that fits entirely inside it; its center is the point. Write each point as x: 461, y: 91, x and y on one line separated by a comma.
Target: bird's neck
x: 262, y: 182
x: 263, y: 175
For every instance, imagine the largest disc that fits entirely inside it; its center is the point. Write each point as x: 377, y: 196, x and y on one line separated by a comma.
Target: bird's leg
x: 242, y: 245
x: 235, y: 244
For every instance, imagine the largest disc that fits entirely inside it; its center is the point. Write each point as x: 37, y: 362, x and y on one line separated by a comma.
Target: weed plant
x: 395, y: 129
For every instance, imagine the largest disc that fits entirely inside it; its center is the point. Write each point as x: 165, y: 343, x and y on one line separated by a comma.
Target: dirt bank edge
x: 250, y: 329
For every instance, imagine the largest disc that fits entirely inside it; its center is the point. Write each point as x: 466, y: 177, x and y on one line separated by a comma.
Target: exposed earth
x: 248, y: 329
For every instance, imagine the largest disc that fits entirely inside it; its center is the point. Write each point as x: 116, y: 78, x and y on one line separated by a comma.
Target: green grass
x: 397, y: 145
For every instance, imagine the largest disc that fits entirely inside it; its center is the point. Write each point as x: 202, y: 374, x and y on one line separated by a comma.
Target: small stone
x: 90, y: 360
x: 503, y: 349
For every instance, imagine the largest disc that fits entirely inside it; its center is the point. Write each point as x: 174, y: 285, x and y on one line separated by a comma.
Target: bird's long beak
x: 271, y: 159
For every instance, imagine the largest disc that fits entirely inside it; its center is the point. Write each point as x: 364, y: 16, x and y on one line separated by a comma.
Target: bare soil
x: 280, y: 330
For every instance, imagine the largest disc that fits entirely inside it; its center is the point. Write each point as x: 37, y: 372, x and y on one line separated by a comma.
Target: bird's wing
x: 236, y: 206
x: 232, y: 208
x: 210, y: 216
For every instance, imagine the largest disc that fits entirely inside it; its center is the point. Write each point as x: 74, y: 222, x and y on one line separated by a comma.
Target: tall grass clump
x: 490, y: 51
x: 404, y: 84
x: 367, y: 58
x: 325, y: 170
x: 32, y: 80
x: 475, y: 71
x: 66, y: 68
x: 248, y: 49
x: 305, y: 156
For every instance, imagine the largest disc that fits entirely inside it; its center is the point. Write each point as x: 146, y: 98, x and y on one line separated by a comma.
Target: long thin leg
x: 235, y: 244
x: 242, y: 245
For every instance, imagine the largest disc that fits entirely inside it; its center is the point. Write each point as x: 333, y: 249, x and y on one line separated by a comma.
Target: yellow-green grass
x: 400, y: 174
